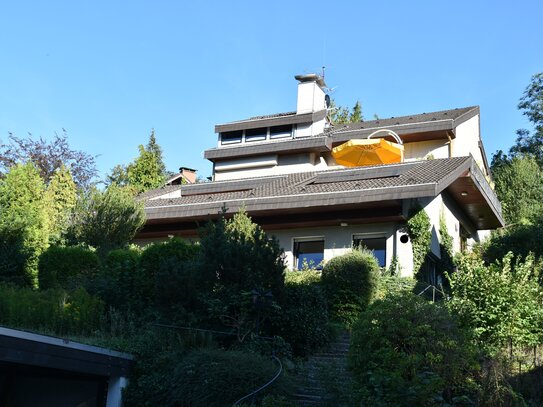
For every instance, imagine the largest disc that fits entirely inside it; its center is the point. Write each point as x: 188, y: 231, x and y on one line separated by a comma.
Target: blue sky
x: 109, y: 71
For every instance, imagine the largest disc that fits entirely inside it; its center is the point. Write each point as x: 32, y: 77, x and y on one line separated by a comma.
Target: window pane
x: 377, y: 245
x: 231, y: 137
x: 281, y: 131
x: 310, y: 253
x: 256, y: 134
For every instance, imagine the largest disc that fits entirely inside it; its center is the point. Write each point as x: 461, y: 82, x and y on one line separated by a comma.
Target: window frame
x: 295, y: 250
x: 370, y: 236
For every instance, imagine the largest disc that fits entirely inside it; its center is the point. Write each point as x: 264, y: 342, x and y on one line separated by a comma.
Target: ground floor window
x: 308, y: 252
x: 378, y: 245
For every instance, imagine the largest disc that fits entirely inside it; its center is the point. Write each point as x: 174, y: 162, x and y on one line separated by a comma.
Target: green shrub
x: 350, y: 283
x: 303, y: 317
x: 500, y: 303
x: 66, y: 266
x: 52, y: 311
x: 406, y: 351
x: 204, y: 377
x: 390, y: 285
x: 121, y: 283
x: 167, y: 272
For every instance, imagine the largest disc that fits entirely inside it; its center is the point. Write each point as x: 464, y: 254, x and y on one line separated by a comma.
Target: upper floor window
x: 280, y: 131
x: 308, y: 252
x: 231, y: 137
x: 256, y: 134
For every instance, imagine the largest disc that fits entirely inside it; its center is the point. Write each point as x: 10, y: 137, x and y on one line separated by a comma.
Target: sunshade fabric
x: 360, y: 152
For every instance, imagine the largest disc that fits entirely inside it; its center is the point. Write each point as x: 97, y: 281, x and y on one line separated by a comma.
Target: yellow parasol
x: 360, y: 152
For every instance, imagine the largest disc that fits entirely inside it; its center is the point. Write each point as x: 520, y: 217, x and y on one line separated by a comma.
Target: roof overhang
x: 45, y: 351
x: 271, y: 121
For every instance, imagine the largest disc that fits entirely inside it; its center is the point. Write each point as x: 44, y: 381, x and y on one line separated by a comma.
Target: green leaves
x: 500, y: 303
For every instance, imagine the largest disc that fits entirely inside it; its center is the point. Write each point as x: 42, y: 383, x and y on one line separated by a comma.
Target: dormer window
x: 256, y: 134
x: 277, y: 132
x: 231, y: 137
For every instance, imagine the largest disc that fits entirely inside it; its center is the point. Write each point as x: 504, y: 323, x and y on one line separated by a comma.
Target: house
x: 281, y: 169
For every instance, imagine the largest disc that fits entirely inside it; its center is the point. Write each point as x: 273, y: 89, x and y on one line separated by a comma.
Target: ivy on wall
x: 418, y: 228
x: 446, y: 264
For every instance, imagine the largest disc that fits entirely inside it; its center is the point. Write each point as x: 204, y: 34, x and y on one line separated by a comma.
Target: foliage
x: 531, y: 103
x: 23, y: 220
x: 55, y: 311
x: 343, y: 115
x: 60, y: 199
x: 394, y: 285
x: 409, y: 352
x: 350, y: 283
x: 148, y: 170
x: 501, y: 303
x: 239, y: 259
x: 519, y: 187
x: 205, y: 377
x: 418, y: 227
x: 302, y: 319
x: 520, y: 239
x: 117, y: 175
x: 48, y: 157
x: 106, y: 220
x: 66, y: 267
x: 446, y: 262
x: 167, y: 268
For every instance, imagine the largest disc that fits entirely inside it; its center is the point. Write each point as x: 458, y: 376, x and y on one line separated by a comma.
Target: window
x: 231, y: 137
x: 378, y: 245
x: 256, y: 134
x: 280, y: 131
x: 309, y: 252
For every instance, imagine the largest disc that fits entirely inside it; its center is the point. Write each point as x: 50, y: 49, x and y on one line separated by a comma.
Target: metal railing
x: 255, y: 392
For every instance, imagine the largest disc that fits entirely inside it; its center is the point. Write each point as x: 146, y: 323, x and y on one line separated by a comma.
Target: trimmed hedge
x: 350, y: 283
x: 51, y: 311
x: 64, y: 267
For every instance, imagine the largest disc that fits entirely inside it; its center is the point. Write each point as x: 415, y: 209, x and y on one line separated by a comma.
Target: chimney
x: 188, y: 174
x: 311, y: 97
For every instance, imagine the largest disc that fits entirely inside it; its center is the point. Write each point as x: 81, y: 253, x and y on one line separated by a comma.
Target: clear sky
x: 110, y: 71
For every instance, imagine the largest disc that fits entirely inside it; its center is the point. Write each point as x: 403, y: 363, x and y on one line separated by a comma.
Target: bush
x: 303, y: 317
x: 204, y: 377
x: 66, y: 266
x: 121, y: 283
x: 51, y: 311
x: 501, y: 303
x: 350, y: 283
x: 406, y: 351
x: 167, y: 272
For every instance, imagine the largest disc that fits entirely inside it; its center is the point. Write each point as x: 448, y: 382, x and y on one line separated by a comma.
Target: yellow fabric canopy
x: 360, y: 152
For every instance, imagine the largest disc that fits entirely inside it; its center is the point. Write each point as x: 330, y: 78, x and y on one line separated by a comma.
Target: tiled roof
x: 356, y: 179
x: 271, y: 116
x: 451, y: 114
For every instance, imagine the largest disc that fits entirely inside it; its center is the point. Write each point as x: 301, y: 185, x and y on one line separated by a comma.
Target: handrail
x: 434, y: 289
x: 263, y: 386
x: 390, y: 133
x: 188, y: 328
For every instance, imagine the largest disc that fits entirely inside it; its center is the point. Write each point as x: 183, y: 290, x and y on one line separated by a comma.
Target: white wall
x: 337, y: 239
x: 310, y: 98
x: 467, y: 141
x: 420, y: 150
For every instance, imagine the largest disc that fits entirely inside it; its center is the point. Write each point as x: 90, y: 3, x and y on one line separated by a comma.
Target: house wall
x: 467, y: 142
x: 337, y: 239
x: 421, y: 150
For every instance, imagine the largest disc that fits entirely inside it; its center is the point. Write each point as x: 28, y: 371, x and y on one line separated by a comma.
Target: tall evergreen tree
x: 155, y: 148
x: 144, y: 173
x: 344, y: 115
x: 60, y: 199
x: 23, y: 222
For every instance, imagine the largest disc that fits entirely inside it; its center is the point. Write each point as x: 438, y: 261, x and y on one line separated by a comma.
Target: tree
x: 155, y: 148
x: 519, y: 185
x: 531, y: 103
x: 23, y: 223
x: 343, y: 115
x: 106, y: 220
x: 117, y: 175
x: 60, y: 199
x: 144, y: 173
x: 48, y: 157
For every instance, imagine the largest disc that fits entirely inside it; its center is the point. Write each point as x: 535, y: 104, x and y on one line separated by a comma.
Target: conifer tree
x: 60, y: 200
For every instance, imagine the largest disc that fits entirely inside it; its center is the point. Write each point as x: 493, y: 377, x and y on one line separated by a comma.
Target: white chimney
x: 310, y: 93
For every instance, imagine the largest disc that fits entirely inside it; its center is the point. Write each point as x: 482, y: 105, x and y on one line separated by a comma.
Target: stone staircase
x: 324, y: 379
